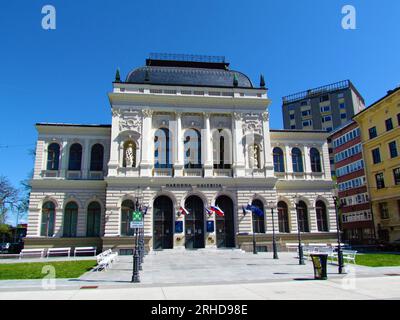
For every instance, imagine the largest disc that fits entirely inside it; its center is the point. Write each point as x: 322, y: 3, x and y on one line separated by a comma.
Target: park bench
x: 79, y: 250
x: 57, y: 251
x: 349, y: 255
x: 291, y: 245
x: 105, y: 260
x: 32, y: 252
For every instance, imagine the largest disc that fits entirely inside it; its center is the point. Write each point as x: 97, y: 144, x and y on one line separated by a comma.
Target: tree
x: 8, y: 198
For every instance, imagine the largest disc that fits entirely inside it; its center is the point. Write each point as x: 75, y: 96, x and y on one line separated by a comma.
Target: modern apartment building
x: 380, y: 135
x: 355, y: 211
x: 324, y: 108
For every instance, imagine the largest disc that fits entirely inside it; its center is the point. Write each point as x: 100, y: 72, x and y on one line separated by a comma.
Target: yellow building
x: 380, y: 135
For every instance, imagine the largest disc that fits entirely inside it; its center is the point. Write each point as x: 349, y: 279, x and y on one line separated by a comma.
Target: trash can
x: 320, y: 261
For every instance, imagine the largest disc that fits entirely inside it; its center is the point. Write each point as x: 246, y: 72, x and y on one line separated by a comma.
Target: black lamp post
x: 136, y: 246
x: 301, y: 256
x: 271, y: 205
x: 340, y: 252
x: 254, y: 239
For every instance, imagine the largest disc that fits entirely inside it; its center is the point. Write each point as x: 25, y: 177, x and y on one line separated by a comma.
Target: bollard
x: 136, y: 261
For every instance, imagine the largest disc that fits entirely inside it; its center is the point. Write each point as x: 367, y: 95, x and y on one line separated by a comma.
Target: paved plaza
x: 214, y: 274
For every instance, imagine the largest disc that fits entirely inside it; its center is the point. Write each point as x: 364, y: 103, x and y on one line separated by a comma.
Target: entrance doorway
x: 163, y: 223
x: 225, y: 225
x: 194, y: 223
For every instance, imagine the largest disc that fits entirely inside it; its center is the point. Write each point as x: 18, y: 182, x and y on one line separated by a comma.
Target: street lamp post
x: 271, y: 205
x: 137, y: 241
x: 340, y: 252
x: 301, y: 257
x: 254, y: 240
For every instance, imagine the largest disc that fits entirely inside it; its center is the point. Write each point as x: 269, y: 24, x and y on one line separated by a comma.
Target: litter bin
x: 320, y: 261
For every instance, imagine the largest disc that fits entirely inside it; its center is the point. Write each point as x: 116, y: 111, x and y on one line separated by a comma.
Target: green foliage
x: 378, y: 260
x: 63, y: 269
x: 117, y: 76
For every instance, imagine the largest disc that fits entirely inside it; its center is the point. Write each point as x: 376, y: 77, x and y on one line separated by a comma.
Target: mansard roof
x: 188, y: 72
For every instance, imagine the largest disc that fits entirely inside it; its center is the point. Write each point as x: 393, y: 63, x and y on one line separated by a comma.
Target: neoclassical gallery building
x: 186, y: 132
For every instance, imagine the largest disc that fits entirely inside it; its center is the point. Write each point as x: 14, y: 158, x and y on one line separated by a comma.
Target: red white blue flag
x: 217, y: 210
x: 208, y: 211
x: 183, y: 211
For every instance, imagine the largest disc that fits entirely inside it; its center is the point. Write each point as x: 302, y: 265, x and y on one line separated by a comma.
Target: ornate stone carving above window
x: 252, y: 123
x: 131, y: 121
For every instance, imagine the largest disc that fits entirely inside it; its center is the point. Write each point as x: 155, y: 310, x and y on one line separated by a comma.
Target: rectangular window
x: 343, y: 116
x: 376, y: 156
x: 324, y: 98
x: 396, y: 175
x: 329, y: 129
x: 303, y: 103
x: 293, y: 127
x: 291, y: 116
x: 342, y: 106
x: 307, y: 123
x: 372, y: 132
x: 389, y: 124
x: 383, y: 210
x: 340, y: 95
x: 380, y: 181
x: 393, y: 149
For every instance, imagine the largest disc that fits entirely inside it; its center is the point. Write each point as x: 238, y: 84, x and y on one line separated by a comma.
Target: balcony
x: 128, y: 172
x: 222, y: 173
x: 50, y: 173
x: 74, y: 175
x: 193, y: 172
x: 96, y: 175
x: 163, y: 172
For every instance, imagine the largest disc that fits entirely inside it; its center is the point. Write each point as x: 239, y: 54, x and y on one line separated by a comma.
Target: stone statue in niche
x: 129, y: 155
x: 254, y: 161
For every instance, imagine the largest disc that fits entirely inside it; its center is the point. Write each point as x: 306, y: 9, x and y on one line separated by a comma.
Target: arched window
x: 53, y: 156
x: 96, y: 157
x: 303, y: 217
x: 127, y: 209
x: 48, y: 219
x: 279, y: 164
x: 162, y: 147
x: 222, y: 155
x: 192, y: 149
x: 75, y: 157
x: 297, y: 160
x: 93, y: 219
x: 129, y: 158
x: 322, y: 218
x: 70, y: 220
x: 315, y: 160
x: 283, y: 217
x: 258, y: 220
x: 254, y: 156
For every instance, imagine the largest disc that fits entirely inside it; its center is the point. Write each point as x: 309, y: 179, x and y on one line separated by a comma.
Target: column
x: 114, y: 145
x: 208, y: 147
x: 307, y: 161
x: 268, y: 161
x: 239, y: 163
x: 288, y: 161
x: 178, y: 146
x: 64, y: 159
x: 85, y: 160
x: 147, y: 144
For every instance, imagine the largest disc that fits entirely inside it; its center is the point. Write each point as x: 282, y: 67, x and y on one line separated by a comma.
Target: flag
x: 183, y: 211
x: 244, y: 210
x: 145, y: 210
x: 217, y: 210
x: 208, y: 211
x: 256, y: 210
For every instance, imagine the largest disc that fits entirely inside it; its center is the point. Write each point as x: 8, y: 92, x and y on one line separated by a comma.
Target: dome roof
x: 188, y: 76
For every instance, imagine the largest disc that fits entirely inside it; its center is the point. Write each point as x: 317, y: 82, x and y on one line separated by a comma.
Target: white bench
x: 105, y: 260
x: 32, y: 252
x: 349, y: 255
x: 292, y: 245
x: 85, y: 250
x: 57, y: 251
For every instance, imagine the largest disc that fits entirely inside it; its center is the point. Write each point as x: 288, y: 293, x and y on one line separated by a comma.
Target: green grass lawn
x: 378, y: 260
x: 63, y: 269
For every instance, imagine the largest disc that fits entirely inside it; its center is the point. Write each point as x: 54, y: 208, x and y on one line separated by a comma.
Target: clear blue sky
x: 64, y: 75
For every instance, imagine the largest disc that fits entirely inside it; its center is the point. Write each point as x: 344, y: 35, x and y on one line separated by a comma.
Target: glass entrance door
x: 225, y: 225
x: 163, y: 223
x: 194, y: 223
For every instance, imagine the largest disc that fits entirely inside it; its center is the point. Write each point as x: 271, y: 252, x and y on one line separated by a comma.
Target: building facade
x: 324, y: 108
x: 185, y: 133
x: 355, y: 211
x: 380, y: 135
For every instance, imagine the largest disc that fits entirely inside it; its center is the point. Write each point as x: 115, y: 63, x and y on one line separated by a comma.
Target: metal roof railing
x: 316, y: 91
x: 186, y: 57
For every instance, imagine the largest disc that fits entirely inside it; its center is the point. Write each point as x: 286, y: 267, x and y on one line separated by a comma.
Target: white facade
x: 240, y: 116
